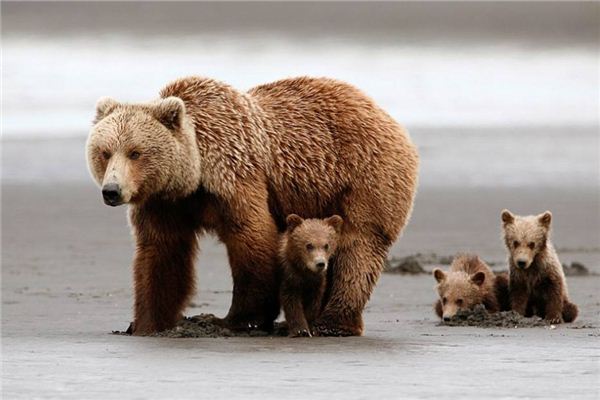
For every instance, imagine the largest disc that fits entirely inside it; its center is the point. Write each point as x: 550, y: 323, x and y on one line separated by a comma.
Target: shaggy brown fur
x: 469, y: 282
x: 237, y: 164
x: 537, y: 280
x: 306, y: 247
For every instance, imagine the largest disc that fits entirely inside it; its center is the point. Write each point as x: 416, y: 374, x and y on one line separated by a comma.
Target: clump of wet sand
x: 576, y: 269
x: 206, y: 326
x: 480, y: 317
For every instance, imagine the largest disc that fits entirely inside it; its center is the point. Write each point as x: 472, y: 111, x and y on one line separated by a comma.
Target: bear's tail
x: 570, y: 311
x: 501, y: 288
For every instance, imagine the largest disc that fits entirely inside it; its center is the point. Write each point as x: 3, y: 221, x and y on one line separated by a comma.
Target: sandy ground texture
x: 66, y: 285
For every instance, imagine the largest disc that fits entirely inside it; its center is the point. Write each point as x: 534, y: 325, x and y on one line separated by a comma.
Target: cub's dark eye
x: 516, y: 244
x: 310, y: 247
x: 459, y: 302
x: 444, y: 300
x: 106, y: 155
x: 134, y: 155
x: 531, y: 245
x: 326, y: 247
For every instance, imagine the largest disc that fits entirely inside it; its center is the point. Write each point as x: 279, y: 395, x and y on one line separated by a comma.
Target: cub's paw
x: 302, y: 332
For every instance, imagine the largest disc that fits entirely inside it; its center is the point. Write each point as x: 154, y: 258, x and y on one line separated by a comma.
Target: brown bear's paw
x: 238, y: 325
x: 554, y: 319
x: 331, y: 328
x: 299, y: 332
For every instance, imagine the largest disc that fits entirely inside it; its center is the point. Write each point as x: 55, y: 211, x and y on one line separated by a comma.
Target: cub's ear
x: 439, y: 275
x: 293, y: 221
x: 336, y: 222
x: 478, y: 278
x: 545, y: 219
x: 507, y: 217
x: 104, y: 106
x: 170, y: 112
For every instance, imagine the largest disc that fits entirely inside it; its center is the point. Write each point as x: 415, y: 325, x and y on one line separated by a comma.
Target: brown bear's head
x: 135, y: 151
x: 525, y: 237
x: 459, y: 290
x: 310, y: 243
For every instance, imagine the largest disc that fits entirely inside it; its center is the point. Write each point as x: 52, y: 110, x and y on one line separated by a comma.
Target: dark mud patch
x: 576, y: 269
x: 415, y: 263
x: 506, y: 319
x: 405, y: 265
x: 206, y: 326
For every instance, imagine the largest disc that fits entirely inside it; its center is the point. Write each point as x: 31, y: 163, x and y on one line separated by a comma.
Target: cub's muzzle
x: 111, y: 192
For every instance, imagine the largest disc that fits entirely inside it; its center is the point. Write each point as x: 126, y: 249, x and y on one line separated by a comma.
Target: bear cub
x: 537, y: 282
x: 306, y: 248
x: 469, y: 282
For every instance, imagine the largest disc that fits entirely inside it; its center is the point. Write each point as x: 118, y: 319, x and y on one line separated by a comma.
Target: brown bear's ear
x: 507, y: 217
x: 104, y: 106
x: 336, y: 222
x: 545, y: 219
x: 293, y: 221
x: 170, y: 112
x: 439, y: 275
x: 478, y: 278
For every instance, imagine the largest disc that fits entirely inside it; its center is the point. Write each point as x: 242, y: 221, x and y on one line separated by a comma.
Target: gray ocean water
x: 513, y: 102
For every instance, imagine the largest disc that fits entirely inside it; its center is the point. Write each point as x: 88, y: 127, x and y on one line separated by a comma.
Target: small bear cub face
x: 310, y: 243
x: 458, y: 291
x: 525, y: 237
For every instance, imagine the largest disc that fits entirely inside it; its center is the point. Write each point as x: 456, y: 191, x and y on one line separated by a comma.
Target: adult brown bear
x: 206, y: 157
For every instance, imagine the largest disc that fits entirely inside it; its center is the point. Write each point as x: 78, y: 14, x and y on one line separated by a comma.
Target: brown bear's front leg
x: 293, y: 310
x: 251, y: 238
x: 553, y: 299
x: 163, y: 268
x: 356, y: 269
x: 519, y: 297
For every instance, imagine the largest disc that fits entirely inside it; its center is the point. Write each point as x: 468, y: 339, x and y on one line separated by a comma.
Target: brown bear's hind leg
x: 356, y: 269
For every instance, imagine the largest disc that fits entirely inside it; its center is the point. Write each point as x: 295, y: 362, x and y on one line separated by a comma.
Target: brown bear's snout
x: 321, y: 265
x: 521, y: 264
x: 111, y: 192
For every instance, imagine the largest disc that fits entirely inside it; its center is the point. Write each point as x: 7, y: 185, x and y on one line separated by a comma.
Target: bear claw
x: 301, y: 333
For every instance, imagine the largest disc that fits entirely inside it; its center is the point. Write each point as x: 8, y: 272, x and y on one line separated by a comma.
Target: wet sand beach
x: 66, y: 284
x: 501, y: 99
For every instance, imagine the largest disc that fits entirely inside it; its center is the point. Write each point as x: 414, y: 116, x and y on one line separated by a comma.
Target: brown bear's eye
x: 134, y: 155
x: 531, y: 245
x: 444, y: 300
x: 106, y: 155
x: 459, y: 302
x: 326, y: 247
x: 310, y: 247
x: 516, y: 244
